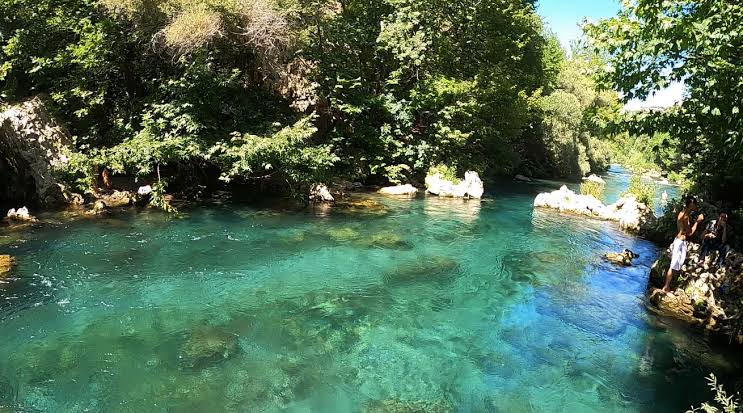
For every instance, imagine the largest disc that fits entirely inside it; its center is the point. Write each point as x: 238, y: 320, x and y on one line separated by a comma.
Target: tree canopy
x: 650, y: 44
x: 298, y: 91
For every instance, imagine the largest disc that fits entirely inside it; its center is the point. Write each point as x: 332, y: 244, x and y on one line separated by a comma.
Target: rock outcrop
x: 405, y: 190
x: 118, y: 199
x: 470, y: 187
x: 320, y: 193
x: 630, y: 214
x: 623, y: 258
x: 702, y: 295
x: 595, y: 178
x: 33, y: 147
x: 6, y: 265
x: 20, y: 215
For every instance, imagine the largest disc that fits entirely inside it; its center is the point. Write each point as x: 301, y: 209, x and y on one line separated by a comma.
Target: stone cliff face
x: 33, y: 147
x: 703, y: 295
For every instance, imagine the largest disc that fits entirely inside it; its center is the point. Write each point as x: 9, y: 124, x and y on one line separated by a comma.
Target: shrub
x: 593, y: 188
x: 192, y: 29
x: 723, y: 403
x: 447, y: 172
x: 642, y: 190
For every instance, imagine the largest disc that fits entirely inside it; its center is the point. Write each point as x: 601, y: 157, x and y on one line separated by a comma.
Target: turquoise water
x: 439, y: 305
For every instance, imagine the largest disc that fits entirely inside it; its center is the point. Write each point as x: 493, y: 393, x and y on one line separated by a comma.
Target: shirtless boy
x: 685, y: 231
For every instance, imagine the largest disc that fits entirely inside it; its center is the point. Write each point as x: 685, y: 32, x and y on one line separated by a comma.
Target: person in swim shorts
x: 685, y: 230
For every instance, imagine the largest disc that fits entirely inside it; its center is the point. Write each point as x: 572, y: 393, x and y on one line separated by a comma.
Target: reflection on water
x: 392, y: 305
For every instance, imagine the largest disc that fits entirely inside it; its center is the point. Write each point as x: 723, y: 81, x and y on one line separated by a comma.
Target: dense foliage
x: 650, y: 44
x: 573, y: 119
x: 298, y: 91
x: 593, y: 188
x: 648, y: 153
x: 643, y: 191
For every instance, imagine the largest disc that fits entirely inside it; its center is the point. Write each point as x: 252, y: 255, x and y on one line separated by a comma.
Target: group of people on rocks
x: 714, y: 238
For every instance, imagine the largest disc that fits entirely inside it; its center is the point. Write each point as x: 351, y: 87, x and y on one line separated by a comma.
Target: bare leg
x: 669, y: 276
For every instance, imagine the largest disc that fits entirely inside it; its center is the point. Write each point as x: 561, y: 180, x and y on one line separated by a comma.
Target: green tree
x: 650, y: 44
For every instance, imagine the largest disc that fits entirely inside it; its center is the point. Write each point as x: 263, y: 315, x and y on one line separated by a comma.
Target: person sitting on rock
x: 685, y: 230
x: 715, y: 237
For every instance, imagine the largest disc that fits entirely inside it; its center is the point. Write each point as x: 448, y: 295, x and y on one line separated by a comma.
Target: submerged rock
x: 6, y: 265
x: 208, y: 345
x: 407, y: 406
x: 424, y: 269
x: 382, y: 239
x: 630, y: 214
x: 344, y: 234
x: 20, y: 215
x: 470, y: 187
x: 407, y: 190
x: 362, y: 206
x: 522, y: 178
x: 387, y: 239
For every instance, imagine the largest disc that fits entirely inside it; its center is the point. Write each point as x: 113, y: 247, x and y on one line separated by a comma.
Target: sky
x: 564, y: 18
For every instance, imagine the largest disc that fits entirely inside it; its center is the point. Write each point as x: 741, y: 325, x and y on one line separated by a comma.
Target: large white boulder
x: 630, y: 214
x: 407, y: 190
x: 568, y: 201
x: 320, y: 193
x: 470, y: 187
x: 20, y: 215
x: 34, y: 147
x: 473, y: 185
x: 595, y: 178
x: 144, y: 190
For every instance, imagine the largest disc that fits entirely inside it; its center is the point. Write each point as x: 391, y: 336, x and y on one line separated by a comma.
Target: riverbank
x: 703, y: 295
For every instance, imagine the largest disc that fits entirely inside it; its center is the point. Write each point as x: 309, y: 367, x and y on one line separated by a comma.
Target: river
x: 439, y: 305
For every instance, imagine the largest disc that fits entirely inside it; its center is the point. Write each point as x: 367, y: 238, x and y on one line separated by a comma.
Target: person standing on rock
x: 685, y: 231
x: 715, y: 237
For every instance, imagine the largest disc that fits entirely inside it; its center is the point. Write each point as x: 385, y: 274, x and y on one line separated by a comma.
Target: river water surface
x: 428, y: 304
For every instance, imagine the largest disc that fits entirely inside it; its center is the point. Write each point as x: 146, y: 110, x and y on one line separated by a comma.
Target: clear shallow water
x: 450, y: 305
